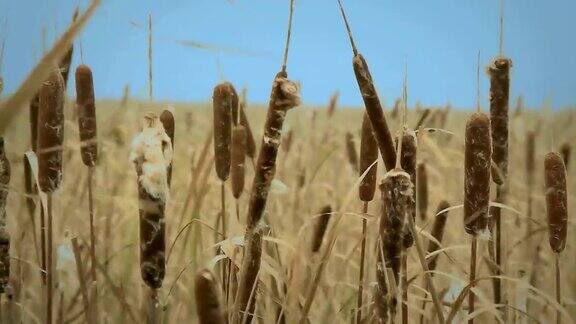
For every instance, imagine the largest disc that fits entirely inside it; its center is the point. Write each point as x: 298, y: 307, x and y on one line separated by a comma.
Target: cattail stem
x: 153, y: 312
x: 405, y: 286
x: 362, y: 257
x: 473, y: 248
x: 558, y: 292
x: 94, y: 286
x: 49, y: 265
x: 80, y: 273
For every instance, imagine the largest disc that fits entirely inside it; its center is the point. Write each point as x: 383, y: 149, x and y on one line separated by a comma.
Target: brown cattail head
x: 33, y: 116
x: 250, y: 142
x: 530, y: 156
x: 320, y: 228
x: 86, y: 115
x: 222, y: 102
x: 207, y: 300
x: 351, y: 151
x: 556, y: 200
x: 397, y: 205
x: 167, y: 120
x: 565, y: 151
x: 477, y: 166
x: 437, y: 232
x: 368, y: 154
x: 4, y: 234
x: 51, y: 132
x: 152, y: 154
x: 375, y: 112
x: 332, y: 104
x: 499, y: 72
x: 422, y: 190
x: 284, y: 96
x: 238, y: 160
x: 408, y: 162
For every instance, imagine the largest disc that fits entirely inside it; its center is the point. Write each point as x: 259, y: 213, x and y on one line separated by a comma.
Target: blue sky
x: 439, y: 38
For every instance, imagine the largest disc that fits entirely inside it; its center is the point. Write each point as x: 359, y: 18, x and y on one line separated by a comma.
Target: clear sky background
x: 439, y: 38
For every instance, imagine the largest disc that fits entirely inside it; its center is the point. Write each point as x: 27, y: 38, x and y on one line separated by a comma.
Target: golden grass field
x: 318, y: 152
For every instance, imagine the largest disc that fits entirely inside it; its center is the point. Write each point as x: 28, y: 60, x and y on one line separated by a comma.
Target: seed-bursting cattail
x: 222, y: 103
x: 50, y: 133
x: 477, y: 166
x: 207, y: 301
x: 556, y: 200
x: 422, y: 190
x: 167, y: 119
x: 368, y: 155
x: 4, y: 234
x: 371, y: 102
x: 408, y: 161
x: 152, y: 154
x: 239, y: 144
x: 565, y: 151
x: 351, y: 151
x: 320, y: 228
x: 86, y: 115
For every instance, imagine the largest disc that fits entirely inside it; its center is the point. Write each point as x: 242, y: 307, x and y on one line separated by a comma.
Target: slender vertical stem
x: 558, y: 292
x: 405, y: 286
x: 427, y: 275
x: 473, y: 248
x: 362, y: 257
x: 93, y: 260
x: 153, y: 315
x: 224, y: 234
x: 49, y: 265
x: 43, y: 244
x: 288, y: 34
x: 80, y: 274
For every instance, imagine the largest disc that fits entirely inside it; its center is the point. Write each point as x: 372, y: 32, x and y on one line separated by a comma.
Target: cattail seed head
x: 477, y: 166
x: 499, y: 72
x: 86, y: 115
x: 368, y: 154
x: 408, y: 162
x: 375, y: 111
x: 167, y: 120
x: 222, y: 103
x: 250, y: 142
x: 238, y: 160
x: 33, y: 118
x: 351, y: 151
x: 437, y: 232
x: 565, y: 151
x: 530, y: 156
x: 4, y: 234
x: 151, y: 155
x: 556, y: 200
x: 320, y: 228
x: 51, y: 132
x: 207, y: 300
x: 422, y: 190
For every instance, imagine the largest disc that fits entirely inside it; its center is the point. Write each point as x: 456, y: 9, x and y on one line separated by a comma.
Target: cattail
x: 422, y: 190
x: 397, y: 207
x: 239, y: 145
x: 245, y: 295
x: 320, y: 228
x: 351, y: 151
x: 287, y: 141
x: 33, y: 117
x: 477, y: 162
x: 368, y: 154
x: 250, y: 142
x: 332, y: 104
x: 151, y: 155
x: 375, y: 111
x: 207, y: 300
x: 167, y: 119
x: 565, y: 151
x: 4, y: 234
x: 223, y: 100
x: 499, y: 72
x: 530, y: 157
x: 437, y: 232
x: 50, y: 133
x: 86, y: 115
x: 408, y: 161
x: 556, y: 200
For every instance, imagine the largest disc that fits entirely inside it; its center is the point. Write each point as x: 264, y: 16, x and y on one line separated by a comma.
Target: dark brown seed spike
x: 238, y: 160
x: 556, y: 200
x: 33, y: 116
x: 565, y: 151
x: 4, y: 234
x: 86, y: 115
x: 437, y: 232
x: 222, y: 100
x: 408, y: 163
x: 207, y: 300
x: 250, y: 142
x: 50, y: 132
x: 422, y: 190
x: 368, y: 155
x: 477, y: 166
x: 375, y: 112
x: 351, y: 151
x: 320, y: 228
